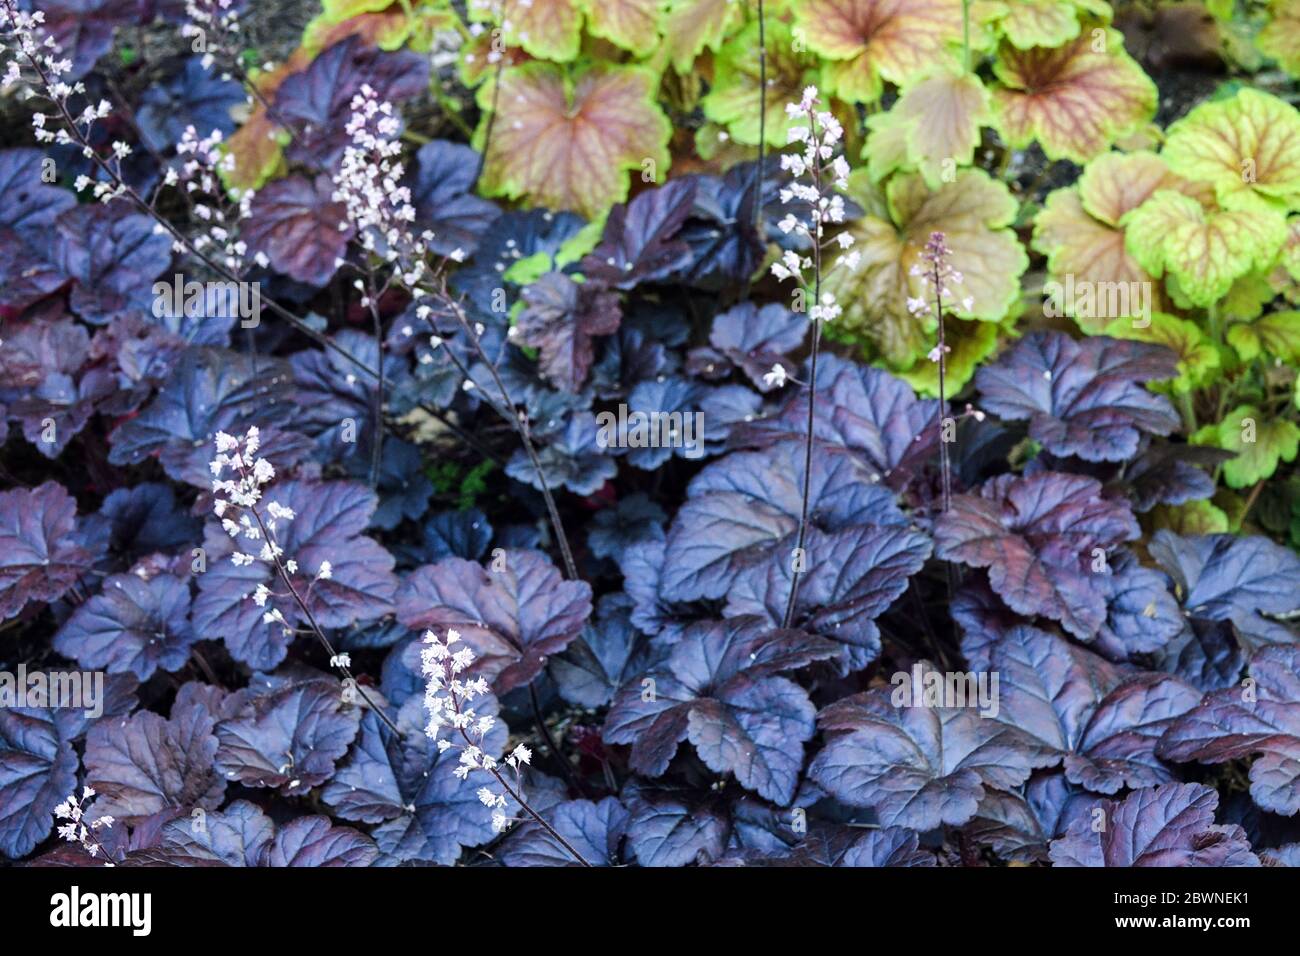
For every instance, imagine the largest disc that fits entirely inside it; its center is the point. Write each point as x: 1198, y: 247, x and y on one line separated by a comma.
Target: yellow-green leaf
x: 1204, y: 250
x: 1277, y: 335
x: 1248, y: 146
x: 975, y: 213
x: 1260, y: 443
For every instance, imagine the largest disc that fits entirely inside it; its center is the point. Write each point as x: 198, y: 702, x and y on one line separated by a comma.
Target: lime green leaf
x: 944, y: 112
x: 1247, y: 297
x: 1277, y: 335
x: 549, y: 29
x: 1280, y: 38
x: 886, y: 147
x: 1260, y: 444
x: 1198, y: 359
x: 735, y: 96
x: 1248, y: 146
x: 1080, y: 233
x: 1075, y: 100
x: 692, y: 25
x: 1204, y: 250
x: 566, y: 142
x: 1191, y: 517
x: 630, y: 24
x: 1046, y: 23
x: 873, y: 40
x: 975, y: 213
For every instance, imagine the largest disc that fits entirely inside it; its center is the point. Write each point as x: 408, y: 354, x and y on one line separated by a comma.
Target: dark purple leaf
x: 424, y: 811
x: 27, y: 201
x: 610, y: 651
x: 1141, y: 615
x: 513, y: 618
x: 146, y: 519
x: 661, y: 421
x: 289, y: 738
x: 1169, y: 825
x: 560, y: 317
x: 197, y: 96
x: 1104, y: 723
x: 144, y: 764
x: 571, y: 458
x: 851, y: 577
x: 83, y: 29
x: 740, y: 508
x: 38, y: 770
x: 756, y: 339
x: 639, y: 244
x: 1082, y: 398
x: 920, y: 766
x: 721, y: 231
x: 1260, y: 717
x: 316, y: 102
x: 719, y: 689
x: 444, y: 199
x: 673, y: 827
x: 133, y: 625
x: 316, y: 842
x: 41, y: 555
x: 1169, y: 474
x: 634, y: 519
x: 1040, y: 537
x: 864, y: 409
x: 211, y: 390
x: 112, y: 256
x: 889, y: 846
x: 595, y: 830
x: 1019, y: 826
x: 296, y: 222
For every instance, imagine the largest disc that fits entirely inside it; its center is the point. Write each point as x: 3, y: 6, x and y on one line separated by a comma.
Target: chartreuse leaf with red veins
x: 975, y: 213
x: 1248, y: 146
x: 734, y: 97
x: 870, y: 41
x: 1276, y: 335
x: 565, y: 140
x: 1074, y: 100
x: 1203, y: 251
x: 692, y: 25
x: 1261, y: 442
x: 943, y: 113
x: 1079, y: 230
x: 1047, y: 23
x: 1280, y: 38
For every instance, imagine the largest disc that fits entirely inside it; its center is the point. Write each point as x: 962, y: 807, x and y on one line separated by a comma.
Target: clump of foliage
x: 832, y: 432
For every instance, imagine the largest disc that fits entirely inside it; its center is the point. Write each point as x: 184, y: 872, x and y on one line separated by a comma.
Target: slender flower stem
x: 519, y: 421
x: 796, y: 573
x: 269, y: 538
x: 945, y: 463
x: 492, y: 119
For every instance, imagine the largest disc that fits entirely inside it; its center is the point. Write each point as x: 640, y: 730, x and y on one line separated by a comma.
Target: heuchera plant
x: 571, y: 433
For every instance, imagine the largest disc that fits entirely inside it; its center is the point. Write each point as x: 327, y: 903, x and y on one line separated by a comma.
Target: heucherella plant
x: 818, y: 174
x: 596, y: 488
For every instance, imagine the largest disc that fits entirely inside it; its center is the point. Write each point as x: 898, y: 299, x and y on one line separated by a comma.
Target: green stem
x: 965, y: 35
